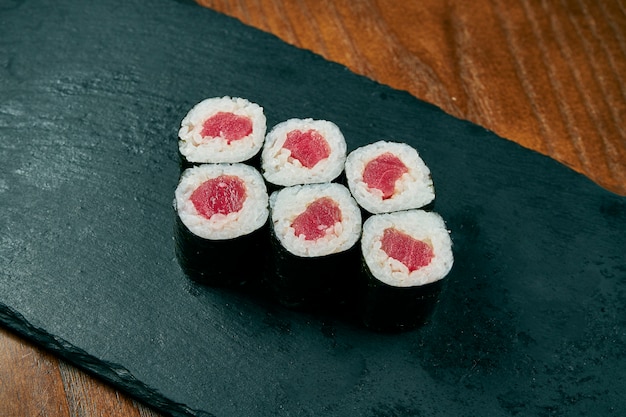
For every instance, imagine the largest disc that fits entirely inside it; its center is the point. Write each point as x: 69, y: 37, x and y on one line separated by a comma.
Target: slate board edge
x: 115, y: 375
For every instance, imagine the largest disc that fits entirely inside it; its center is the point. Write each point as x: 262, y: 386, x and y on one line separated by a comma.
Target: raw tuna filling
x: 317, y: 218
x: 413, y: 253
x: 308, y: 147
x: 224, y: 194
x: 227, y: 125
x: 382, y: 173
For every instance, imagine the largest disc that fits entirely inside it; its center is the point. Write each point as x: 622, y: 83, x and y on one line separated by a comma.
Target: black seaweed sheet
x: 531, y: 321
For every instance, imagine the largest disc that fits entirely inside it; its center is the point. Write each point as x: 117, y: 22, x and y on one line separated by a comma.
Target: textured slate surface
x: 531, y: 320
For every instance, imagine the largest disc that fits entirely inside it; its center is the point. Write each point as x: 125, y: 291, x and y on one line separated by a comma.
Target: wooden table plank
x: 33, y: 382
x: 549, y: 75
x: 30, y: 380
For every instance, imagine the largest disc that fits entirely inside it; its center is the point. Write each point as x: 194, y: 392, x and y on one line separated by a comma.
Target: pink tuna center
x: 308, y: 147
x: 226, y: 125
x: 382, y: 173
x: 317, y: 218
x: 413, y: 253
x: 224, y: 194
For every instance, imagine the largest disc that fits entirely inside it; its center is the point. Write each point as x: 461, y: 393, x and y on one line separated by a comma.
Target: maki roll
x: 222, y: 212
x: 389, y: 176
x: 219, y: 130
x: 314, y: 231
x: 405, y: 257
x: 303, y: 151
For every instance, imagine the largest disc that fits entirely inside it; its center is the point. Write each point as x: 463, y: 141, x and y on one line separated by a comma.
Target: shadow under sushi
x: 338, y: 287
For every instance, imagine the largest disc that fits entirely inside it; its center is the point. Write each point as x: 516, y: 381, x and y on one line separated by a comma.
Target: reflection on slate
x: 531, y: 320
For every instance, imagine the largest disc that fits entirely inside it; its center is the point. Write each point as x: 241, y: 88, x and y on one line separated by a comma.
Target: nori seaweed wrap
x: 406, y: 254
x: 221, y: 226
x: 315, y: 259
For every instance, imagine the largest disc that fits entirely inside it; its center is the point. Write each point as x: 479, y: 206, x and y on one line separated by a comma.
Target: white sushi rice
x: 288, y: 203
x: 413, y: 190
x: 195, y: 148
x: 250, y: 217
x: 280, y: 169
x: 421, y: 225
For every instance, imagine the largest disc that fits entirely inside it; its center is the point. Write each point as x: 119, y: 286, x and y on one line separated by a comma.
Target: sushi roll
x: 314, y: 230
x: 222, y: 212
x: 222, y: 130
x: 389, y: 176
x: 303, y: 151
x: 406, y: 255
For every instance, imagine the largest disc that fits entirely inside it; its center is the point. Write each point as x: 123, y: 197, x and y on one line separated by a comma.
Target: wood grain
x: 33, y: 383
x: 30, y: 381
x: 549, y: 75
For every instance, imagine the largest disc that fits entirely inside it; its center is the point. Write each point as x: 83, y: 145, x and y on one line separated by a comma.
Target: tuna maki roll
x: 219, y: 130
x: 303, y: 151
x: 222, y: 212
x: 314, y: 232
x: 405, y: 257
x: 389, y: 176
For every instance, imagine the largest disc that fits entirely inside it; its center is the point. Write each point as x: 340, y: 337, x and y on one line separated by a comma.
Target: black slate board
x: 531, y: 320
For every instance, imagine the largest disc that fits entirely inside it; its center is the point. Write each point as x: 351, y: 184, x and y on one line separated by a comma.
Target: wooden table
x: 549, y: 75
